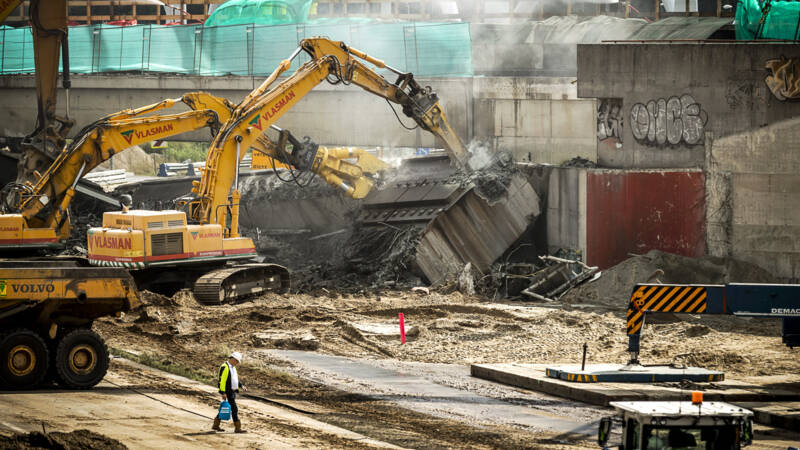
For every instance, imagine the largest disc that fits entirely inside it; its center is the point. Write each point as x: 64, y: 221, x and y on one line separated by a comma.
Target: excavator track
x: 234, y: 283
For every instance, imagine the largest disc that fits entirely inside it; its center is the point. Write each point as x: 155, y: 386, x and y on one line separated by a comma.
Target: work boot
x: 238, y: 425
x: 216, y: 426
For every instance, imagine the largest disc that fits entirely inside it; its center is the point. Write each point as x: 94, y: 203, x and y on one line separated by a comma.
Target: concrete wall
x: 538, y: 119
x: 566, y: 210
x: 754, y: 197
x: 339, y: 115
x: 673, y: 94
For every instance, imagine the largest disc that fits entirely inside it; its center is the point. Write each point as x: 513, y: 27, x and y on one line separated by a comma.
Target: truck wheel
x: 81, y: 359
x: 25, y: 359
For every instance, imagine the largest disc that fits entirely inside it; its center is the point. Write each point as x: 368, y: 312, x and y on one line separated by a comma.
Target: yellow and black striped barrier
x: 648, y: 298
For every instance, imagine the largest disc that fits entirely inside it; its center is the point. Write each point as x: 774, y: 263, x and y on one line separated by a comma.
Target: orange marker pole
x: 402, y: 328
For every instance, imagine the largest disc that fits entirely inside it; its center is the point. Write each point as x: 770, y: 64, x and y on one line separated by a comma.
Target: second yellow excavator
x: 205, y: 239
x: 36, y: 216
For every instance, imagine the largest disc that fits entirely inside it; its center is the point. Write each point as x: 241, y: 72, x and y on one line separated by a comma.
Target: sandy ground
x: 333, y: 358
x: 446, y: 334
x: 315, y: 403
x: 145, y: 408
x: 451, y: 328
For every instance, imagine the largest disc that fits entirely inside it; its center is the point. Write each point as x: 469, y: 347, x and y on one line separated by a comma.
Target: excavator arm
x: 49, y: 27
x: 330, y: 163
x: 330, y: 60
x: 45, y: 205
x: 7, y: 8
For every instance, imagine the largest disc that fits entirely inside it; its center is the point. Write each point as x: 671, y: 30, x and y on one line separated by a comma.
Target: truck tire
x: 81, y: 359
x: 24, y: 359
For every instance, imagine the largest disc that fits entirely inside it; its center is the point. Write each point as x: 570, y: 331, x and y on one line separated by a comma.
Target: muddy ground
x: 444, y: 328
x: 78, y: 439
x: 180, y: 332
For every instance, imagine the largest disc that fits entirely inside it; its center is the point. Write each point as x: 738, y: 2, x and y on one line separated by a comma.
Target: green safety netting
x: 781, y: 20
x: 260, y: 12
x: 426, y: 49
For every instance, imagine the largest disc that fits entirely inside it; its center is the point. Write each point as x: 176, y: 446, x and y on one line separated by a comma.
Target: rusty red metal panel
x: 635, y: 212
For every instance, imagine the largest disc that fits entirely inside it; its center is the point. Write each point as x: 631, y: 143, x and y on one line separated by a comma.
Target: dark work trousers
x: 234, y: 409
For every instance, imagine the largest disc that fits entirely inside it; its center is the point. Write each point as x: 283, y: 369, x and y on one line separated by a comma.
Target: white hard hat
x: 237, y: 356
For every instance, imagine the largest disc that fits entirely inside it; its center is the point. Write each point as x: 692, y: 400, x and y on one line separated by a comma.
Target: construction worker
x: 229, y: 385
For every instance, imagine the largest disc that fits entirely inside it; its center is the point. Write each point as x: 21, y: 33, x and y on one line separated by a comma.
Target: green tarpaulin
x: 426, y: 49
x: 782, y: 20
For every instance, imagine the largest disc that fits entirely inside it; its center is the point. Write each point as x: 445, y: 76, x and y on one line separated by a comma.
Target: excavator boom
x: 330, y: 60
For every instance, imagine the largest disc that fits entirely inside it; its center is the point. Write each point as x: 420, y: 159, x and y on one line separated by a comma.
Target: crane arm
x: 331, y: 60
x: 45, y: 204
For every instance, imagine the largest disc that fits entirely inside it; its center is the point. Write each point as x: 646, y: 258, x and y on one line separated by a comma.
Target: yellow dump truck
x: 47, y: 308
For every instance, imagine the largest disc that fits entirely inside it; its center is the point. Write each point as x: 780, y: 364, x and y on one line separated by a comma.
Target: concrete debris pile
x: 74, y: 440
x: 464, y: 218
x: 424, y: 224
x: 371, y: 258
x: 613, y: 289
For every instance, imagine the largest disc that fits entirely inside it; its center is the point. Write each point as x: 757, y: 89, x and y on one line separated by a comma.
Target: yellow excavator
x: 204, y: 239
x: 36, y: 215
x: 48, y: 304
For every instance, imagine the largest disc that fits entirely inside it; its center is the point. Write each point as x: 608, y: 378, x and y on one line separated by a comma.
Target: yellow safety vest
x: 224, y: 372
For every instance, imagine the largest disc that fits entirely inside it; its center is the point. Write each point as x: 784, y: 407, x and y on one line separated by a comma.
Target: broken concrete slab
x: 473, y: 231
x: 287, y: 340
x: 389, y: 331
x: 776, y: 414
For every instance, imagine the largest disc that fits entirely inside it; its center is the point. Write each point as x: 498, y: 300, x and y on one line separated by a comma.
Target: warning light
x: 697, y: 398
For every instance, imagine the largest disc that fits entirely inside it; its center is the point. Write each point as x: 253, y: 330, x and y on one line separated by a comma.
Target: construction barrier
x: 426, y: 49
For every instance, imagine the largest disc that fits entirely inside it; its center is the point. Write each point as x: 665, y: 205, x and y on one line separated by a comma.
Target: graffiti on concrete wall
x: 609, y: 122
x: 739, y: 94
x: 669, y: 121
x: 784, y: 78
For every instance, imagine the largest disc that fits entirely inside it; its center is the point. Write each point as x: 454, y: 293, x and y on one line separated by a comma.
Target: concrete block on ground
x: 594, y: 373
x: 781, y: 389
x: 776, y: 414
